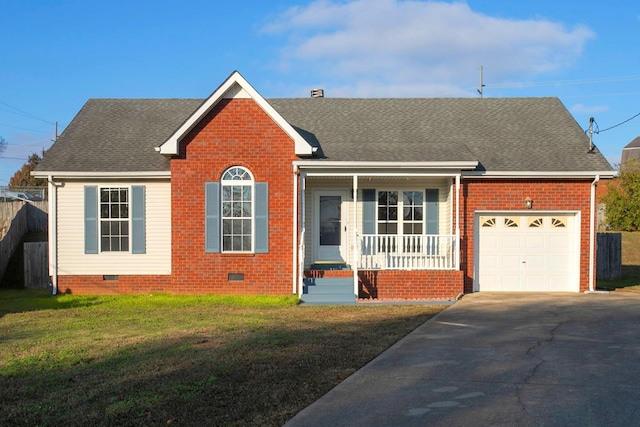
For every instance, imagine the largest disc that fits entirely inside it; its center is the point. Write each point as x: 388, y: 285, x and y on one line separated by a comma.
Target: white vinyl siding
x: 70, y: 234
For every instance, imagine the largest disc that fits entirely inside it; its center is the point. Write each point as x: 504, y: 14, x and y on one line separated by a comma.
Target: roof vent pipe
x: 317, y: 93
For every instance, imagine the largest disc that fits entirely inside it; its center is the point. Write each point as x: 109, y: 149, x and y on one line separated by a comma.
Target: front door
x: 330, y: 228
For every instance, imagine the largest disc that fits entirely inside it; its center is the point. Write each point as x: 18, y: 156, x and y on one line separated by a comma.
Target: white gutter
x: 542, y: 174
x: 330, y: 164
x: 118, y: 175
x: 592, y: 230
x: 53, y: 233
x: 295, y: 230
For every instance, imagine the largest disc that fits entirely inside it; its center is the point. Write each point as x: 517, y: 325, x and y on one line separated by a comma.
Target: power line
x: 565, y: 82
x: 21, y: 128
x: 24, y: 113
x: 619, y: 124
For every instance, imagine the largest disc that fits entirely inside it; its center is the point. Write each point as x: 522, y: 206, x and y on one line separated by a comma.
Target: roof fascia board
x: 543, y: 174
x: 170, y: 146
x: 117, y: 175
x: 315, y: 164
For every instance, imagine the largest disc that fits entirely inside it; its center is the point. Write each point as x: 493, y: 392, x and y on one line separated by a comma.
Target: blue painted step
x: 328, y: 291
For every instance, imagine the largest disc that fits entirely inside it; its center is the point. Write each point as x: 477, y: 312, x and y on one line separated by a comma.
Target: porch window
x: 412, y: 207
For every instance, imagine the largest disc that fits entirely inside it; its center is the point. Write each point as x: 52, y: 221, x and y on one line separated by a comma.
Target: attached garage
x: 527, y: 252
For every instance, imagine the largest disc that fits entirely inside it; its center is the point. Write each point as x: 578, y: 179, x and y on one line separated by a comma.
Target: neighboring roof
x: 633, y: 144
x: 502, y: 134
x: 631, y: 151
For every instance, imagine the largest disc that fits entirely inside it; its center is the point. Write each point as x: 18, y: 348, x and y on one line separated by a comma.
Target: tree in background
x: 623, y: 199
x: 23, y: 177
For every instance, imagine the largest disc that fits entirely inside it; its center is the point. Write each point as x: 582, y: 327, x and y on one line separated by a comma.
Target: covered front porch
x: 384, y: 234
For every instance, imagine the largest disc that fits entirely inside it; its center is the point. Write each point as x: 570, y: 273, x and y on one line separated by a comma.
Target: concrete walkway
x: 501, y: 360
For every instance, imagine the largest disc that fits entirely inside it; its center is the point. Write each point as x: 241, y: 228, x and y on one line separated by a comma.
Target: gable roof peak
x: 235, y: 86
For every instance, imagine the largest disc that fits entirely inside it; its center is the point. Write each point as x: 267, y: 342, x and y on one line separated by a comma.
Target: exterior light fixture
x: 528, y: 203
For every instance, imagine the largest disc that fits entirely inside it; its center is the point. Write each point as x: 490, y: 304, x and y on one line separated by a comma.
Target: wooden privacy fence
x: 24, y: 217
x: 609, y: 256
x: 36, y: 265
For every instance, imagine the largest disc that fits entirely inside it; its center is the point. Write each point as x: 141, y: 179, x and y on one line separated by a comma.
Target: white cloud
x: 419, y: 48
x: 582, y: 109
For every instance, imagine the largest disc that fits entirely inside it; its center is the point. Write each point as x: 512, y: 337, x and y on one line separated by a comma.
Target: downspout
x: 592, y: 231
x: 53, y: 242
x: 295, y: 230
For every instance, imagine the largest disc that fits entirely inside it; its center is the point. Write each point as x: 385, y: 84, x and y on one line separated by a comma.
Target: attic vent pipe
x: 317, y: 93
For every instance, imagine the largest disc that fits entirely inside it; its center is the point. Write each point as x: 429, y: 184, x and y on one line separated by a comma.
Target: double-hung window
x: 114, y: 219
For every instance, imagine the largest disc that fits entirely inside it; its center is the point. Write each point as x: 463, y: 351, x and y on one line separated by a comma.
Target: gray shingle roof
x: 118, y: 135
x: 503, y: 134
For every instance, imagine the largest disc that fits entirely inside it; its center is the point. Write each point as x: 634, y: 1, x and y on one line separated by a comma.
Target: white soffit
x: 235, y: 86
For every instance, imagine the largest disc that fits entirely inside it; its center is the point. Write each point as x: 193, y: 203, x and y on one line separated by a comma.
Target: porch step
x: 322, y: 266
x: 337, y: 290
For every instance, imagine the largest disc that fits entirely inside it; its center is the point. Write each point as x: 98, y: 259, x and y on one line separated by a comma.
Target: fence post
x: 609, y: 256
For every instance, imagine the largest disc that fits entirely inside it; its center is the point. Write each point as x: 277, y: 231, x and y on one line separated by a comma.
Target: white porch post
x: 296, y: 253
x: 354, y: 226
x: 303, y: 227
x: 457, y: 253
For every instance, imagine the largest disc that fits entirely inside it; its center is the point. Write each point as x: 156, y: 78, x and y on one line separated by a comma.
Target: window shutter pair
x: 212, y: 217
x: 91, y: 222
x: 369, y: 204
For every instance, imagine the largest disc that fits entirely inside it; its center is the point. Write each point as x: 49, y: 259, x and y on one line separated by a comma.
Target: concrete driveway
x: 501, y: 360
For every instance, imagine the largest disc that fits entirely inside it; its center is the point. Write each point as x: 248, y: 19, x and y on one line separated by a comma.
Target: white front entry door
x: 330, y: 226
x: 536, y: 252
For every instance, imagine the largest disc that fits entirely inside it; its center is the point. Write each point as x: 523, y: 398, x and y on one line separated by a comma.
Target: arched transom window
x: 237, y: 210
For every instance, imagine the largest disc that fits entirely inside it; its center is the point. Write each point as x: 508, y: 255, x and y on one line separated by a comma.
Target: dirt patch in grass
x: 113, y: 362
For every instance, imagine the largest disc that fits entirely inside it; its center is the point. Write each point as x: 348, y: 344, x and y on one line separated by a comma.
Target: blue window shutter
x: 432, y: 196
x: 262, y: 217
x: 90, y: 220
x: 138, y: 231
x: 212, y: 217
x: 369, y: 211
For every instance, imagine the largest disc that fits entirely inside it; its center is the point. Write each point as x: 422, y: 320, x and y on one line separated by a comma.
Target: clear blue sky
x: 57, y: 54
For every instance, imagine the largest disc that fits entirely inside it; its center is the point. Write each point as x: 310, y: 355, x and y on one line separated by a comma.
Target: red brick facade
x: 235, y: 133
x: 509, y: 194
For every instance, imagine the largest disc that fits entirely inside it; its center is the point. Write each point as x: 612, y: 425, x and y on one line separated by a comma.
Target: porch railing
x: 411, y: 252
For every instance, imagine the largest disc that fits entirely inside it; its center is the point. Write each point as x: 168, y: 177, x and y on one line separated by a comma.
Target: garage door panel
x: 560, y: 242
x: 535, y: 242
x: 537, y: 255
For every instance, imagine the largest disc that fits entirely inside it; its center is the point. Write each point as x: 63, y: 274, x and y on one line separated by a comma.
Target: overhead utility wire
x: 24, y: 113
x: 619, y: 124
x: 566, y: 82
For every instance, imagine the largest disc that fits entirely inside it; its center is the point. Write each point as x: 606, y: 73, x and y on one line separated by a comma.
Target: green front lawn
x: 184, y: 360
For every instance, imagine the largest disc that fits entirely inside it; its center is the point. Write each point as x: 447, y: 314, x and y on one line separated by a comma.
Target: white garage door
x: 533, y: 253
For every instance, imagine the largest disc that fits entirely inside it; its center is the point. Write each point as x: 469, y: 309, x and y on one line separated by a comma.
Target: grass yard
x: 630, y: 264
x: 181, y: 360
